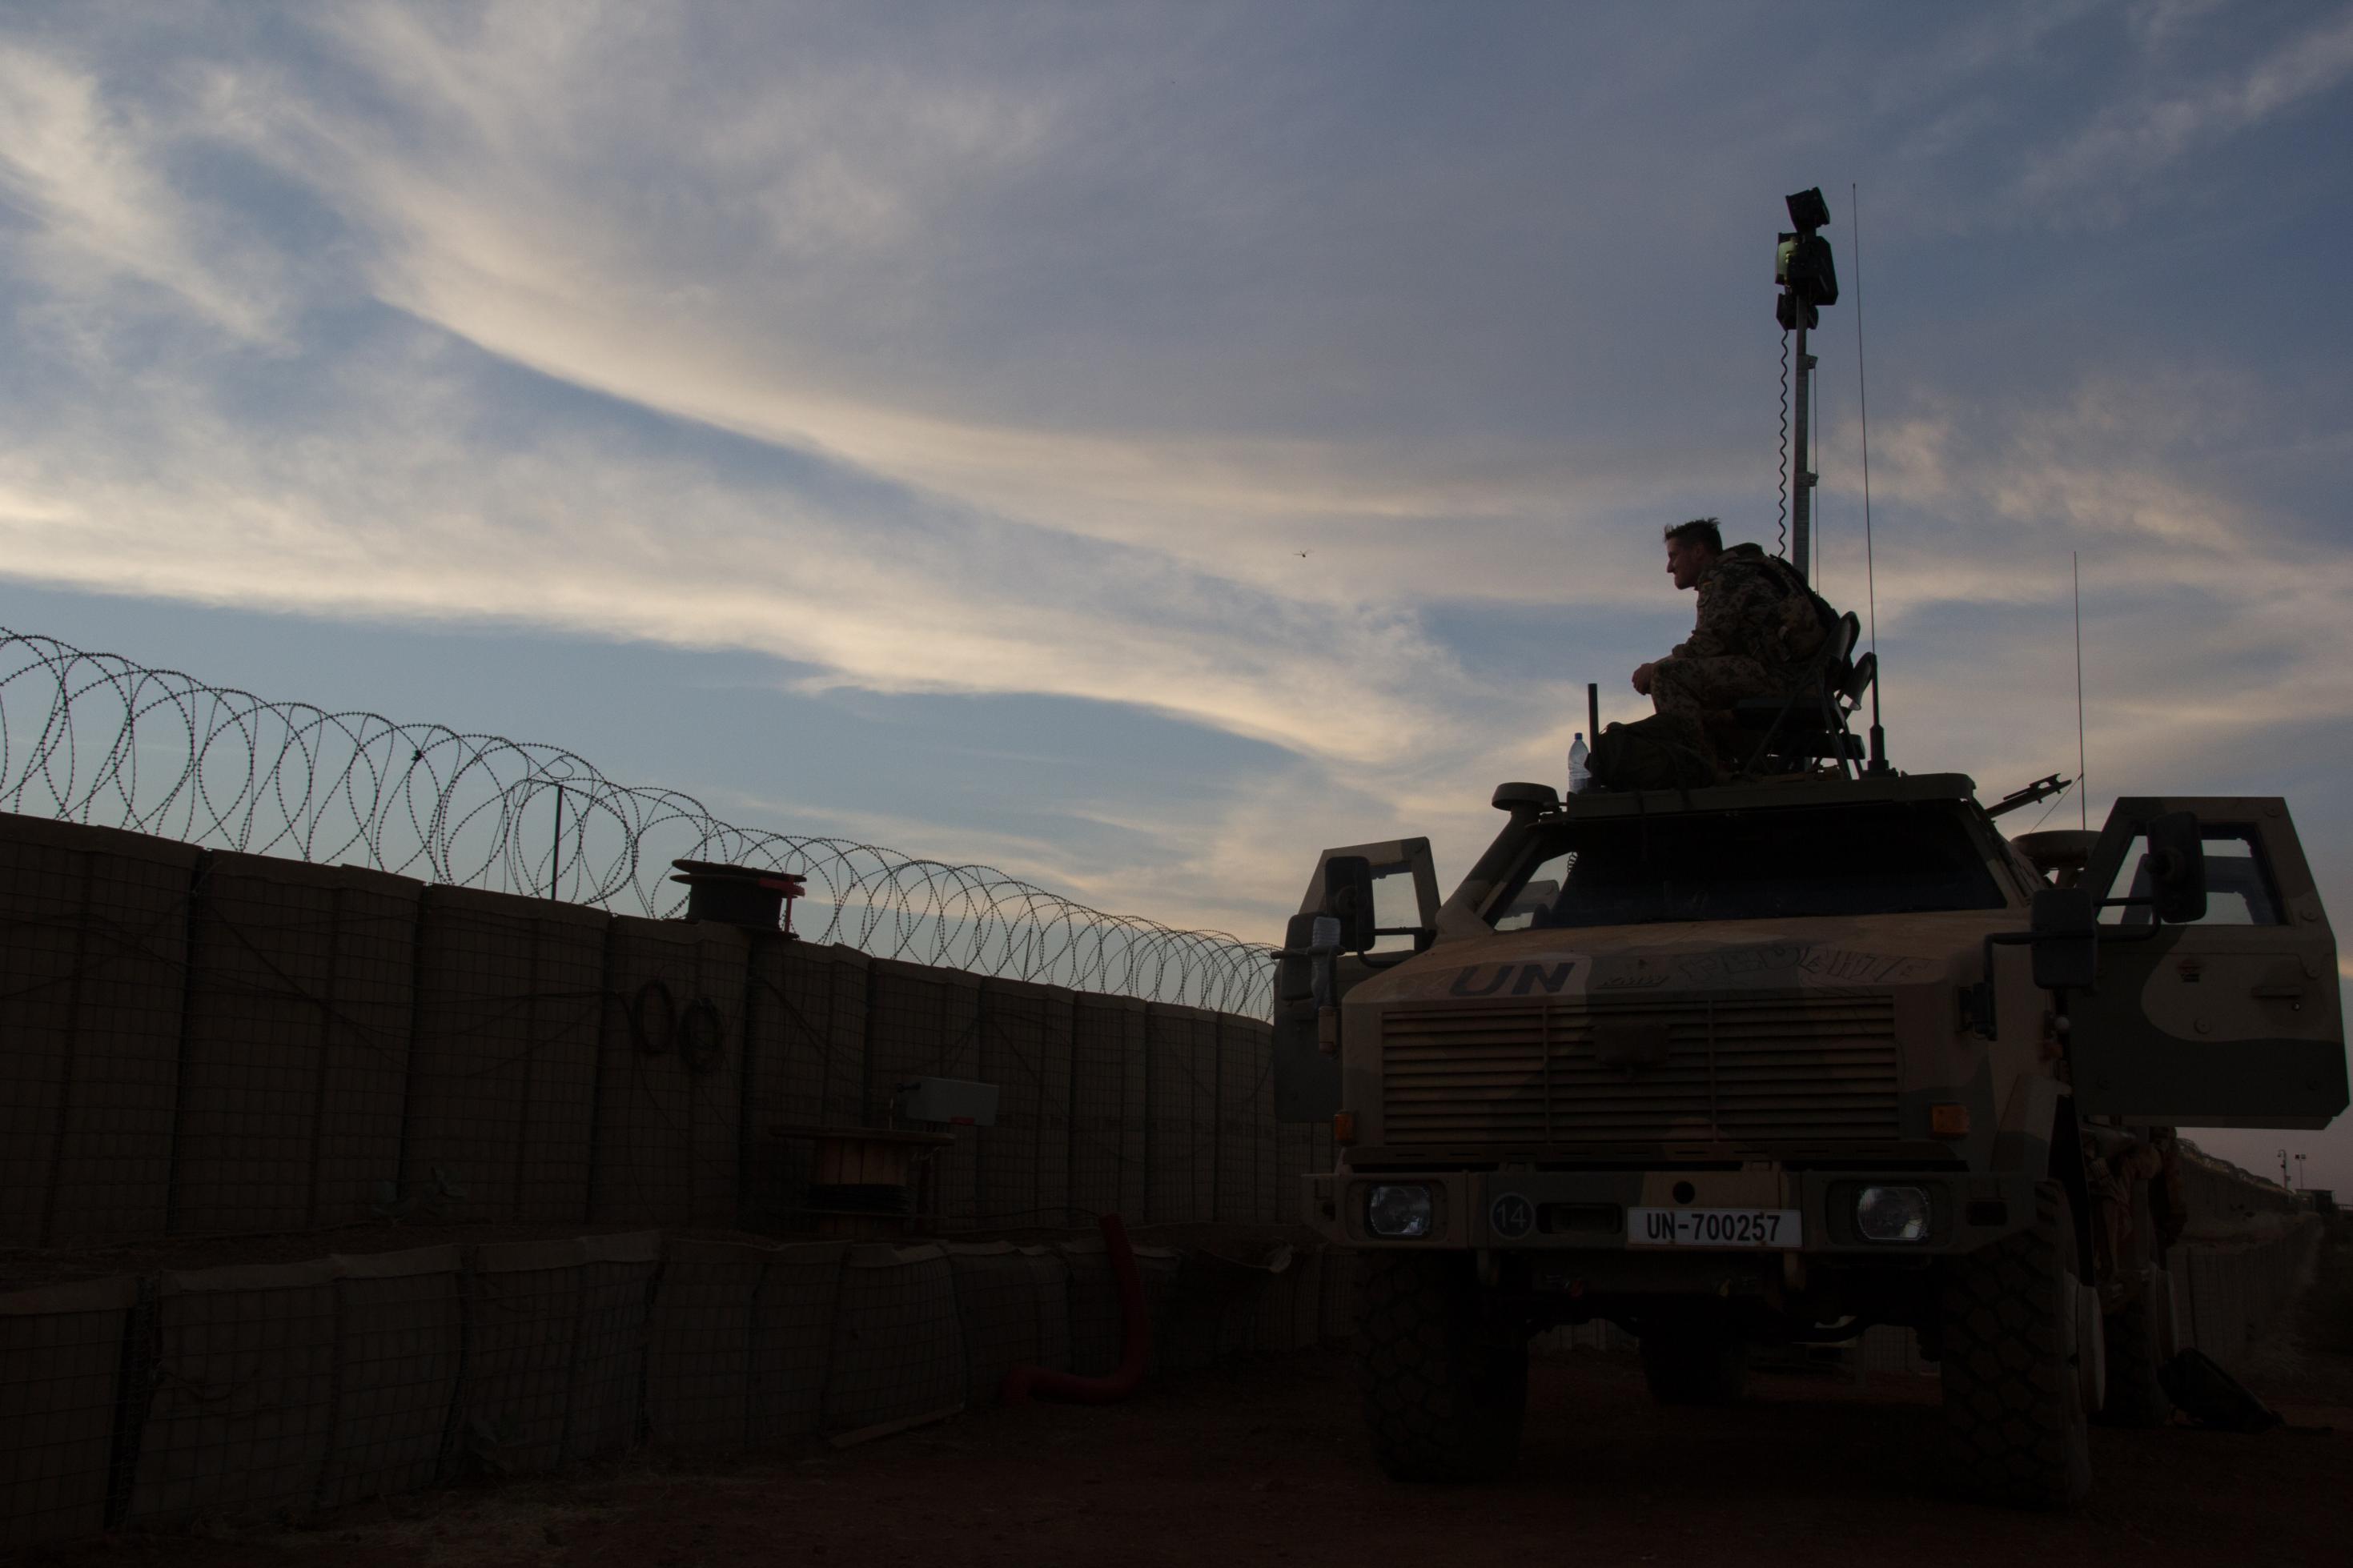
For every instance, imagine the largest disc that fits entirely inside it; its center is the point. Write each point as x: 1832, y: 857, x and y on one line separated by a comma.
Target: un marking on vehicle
x: 1551, y: 979
x: 1779, y: 1230
x: 1510, y: 1217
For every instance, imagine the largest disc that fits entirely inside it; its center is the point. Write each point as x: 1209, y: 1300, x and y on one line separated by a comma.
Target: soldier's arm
x: 1708, y: 637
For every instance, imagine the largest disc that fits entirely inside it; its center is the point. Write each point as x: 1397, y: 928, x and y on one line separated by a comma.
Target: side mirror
x: 1348, y: 898
x: 2177, y: 867
x: 2066, y: 940
x: 1294, y: 972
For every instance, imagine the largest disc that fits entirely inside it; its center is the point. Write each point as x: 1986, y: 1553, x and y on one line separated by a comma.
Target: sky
x: 1136, y: 446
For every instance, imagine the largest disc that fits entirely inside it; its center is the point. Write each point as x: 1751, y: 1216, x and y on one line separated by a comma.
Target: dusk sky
x: 1135, y: 445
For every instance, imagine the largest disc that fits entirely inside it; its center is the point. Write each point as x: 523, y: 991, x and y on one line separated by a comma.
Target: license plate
x: 1774, y: 1230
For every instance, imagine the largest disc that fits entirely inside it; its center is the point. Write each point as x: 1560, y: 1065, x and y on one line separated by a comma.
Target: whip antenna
x: 1870, y: 565
x: 2083, y: 800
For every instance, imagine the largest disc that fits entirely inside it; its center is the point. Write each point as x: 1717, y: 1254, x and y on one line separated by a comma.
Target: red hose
x: 1135, y: 1341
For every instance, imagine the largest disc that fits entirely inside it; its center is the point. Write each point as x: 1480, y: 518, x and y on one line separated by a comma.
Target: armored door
x: 1405, y: 912
x: 2232, y: 1020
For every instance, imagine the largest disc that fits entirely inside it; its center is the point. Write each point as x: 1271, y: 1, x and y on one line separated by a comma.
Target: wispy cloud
x: 99, y: 220
x: 1052, y: 341
x: 2128, y: 142
x: 395, y: 509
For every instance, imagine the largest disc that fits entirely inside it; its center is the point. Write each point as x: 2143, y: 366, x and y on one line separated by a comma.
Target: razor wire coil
x: 97, y: 739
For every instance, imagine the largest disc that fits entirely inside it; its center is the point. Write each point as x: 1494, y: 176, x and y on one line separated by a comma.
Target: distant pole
x: 2282, y: 1160
x: 2082, y: 799
x: 555, y: 852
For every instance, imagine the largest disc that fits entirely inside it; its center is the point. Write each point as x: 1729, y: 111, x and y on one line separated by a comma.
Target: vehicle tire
x: 2136, y: 1349
x: 1444, y: 1392
x: 2016, y: 1429
x: 1694, y: 1365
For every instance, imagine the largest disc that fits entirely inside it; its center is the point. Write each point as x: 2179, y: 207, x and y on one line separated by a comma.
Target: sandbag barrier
x: 278, y: 1389
x: 209, y: 1043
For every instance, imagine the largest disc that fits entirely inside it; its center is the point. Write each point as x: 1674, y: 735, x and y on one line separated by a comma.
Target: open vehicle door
x: 2228, y: 1020
x: 1367, y: 907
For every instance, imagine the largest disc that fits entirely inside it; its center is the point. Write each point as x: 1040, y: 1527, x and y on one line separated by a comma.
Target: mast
x: 1801, y: 477
x: 1803, y: 268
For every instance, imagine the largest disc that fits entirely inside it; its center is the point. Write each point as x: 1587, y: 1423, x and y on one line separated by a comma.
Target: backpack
x: 1807, y: 619
x: 1663, y: 752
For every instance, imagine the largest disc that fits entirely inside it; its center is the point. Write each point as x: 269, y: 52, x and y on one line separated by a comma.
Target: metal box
x: 952, y: 1100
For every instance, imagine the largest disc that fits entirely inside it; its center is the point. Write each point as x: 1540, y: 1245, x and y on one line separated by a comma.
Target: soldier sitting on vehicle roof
x: 1757, y: 633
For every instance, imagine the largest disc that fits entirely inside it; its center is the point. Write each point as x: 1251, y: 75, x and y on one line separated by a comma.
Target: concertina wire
x: 94, y: 738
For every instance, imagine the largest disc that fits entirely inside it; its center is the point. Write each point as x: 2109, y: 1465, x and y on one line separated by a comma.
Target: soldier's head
x: 1691, y: 547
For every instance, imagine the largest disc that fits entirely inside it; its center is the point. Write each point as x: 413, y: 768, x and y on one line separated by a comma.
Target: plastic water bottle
x: 1577, y: 775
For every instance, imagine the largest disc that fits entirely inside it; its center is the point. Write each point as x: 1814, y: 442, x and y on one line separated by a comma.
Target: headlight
x: 1398, y: 1213
x: 1893, y: 1214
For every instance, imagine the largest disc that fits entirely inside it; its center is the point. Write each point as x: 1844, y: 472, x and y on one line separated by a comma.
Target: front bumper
x: 1559, y: 1210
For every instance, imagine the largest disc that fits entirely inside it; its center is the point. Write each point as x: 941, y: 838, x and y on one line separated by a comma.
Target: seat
x: 1810, y: 725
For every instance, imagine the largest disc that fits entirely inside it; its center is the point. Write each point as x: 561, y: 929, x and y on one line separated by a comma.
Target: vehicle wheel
x: 2137, y: 1348
x: 2015, y: 1418
x: 1694, y: 1365
x: 1444, y: 1393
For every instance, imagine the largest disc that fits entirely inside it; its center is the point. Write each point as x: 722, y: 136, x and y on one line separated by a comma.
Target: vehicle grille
x: 1815, y: 1068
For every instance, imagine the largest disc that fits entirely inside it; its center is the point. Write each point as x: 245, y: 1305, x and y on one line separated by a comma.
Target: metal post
x: 1801, y: 477
x: 555, y: 854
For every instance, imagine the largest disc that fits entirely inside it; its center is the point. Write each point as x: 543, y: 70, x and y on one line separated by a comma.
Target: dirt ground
x: 1264, y: 1462
x: 23, y: 1268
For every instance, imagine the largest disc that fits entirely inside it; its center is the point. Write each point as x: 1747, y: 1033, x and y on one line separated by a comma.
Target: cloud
x: 391, y: 508
x: 2130, y: 140
x: 1053, y: 340
x: 99, y: 217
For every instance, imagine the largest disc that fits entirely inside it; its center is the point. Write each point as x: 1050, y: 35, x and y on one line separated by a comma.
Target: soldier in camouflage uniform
x: 1757, y: 634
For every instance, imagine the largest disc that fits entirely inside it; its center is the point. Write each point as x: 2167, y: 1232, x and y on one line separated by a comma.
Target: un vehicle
x: 1776, y: 1061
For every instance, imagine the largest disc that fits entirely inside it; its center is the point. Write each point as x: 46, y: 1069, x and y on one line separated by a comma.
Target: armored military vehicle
x: 1782, y: 1059
x: 1776, y: 1061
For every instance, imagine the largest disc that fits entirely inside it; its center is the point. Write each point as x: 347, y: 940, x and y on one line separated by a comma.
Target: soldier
x: 1758, y: 631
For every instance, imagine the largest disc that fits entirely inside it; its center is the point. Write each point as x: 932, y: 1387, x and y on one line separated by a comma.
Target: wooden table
x: 858, y: 1167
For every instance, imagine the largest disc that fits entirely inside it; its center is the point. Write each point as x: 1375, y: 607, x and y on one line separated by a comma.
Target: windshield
x: 1886, y: 858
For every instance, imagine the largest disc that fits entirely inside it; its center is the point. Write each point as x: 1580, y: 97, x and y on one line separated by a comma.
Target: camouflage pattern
x: 1754, y: 608
x: 1701, y: 688
x: 1546, y: 1081
x: 1544, y: 991
x: 2114, y: 1173
x: 1756, y: 632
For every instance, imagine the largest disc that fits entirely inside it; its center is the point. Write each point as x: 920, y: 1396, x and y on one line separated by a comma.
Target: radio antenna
x: 1870, y: 565
x: 2083, y: 800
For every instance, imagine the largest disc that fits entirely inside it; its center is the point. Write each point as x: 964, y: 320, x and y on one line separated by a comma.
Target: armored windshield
x: 1881, y: 858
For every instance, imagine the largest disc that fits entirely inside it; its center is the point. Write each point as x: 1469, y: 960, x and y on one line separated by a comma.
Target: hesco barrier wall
x: 279, y: 1389
x: 200, y: 1045
x: 2248, y: 1248
x: 203, y: 1043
